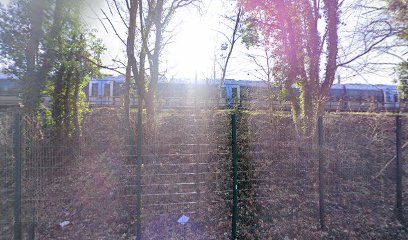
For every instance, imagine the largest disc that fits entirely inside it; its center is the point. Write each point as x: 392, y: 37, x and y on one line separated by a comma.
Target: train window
x: 244, y: 93
x: 336, y: 94
x: 94, y: 92
x: 388, y: 97
x: 106, y: 90
x: 8, y: 87
x: 354, y: 98
x: 234, y: 92
x: 365, y: 98
x: 224, y: 92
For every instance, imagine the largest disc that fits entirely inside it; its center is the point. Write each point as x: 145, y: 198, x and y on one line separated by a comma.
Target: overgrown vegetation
x: 399, y: 12
x: 6, y: 168
x: 46, y: 44
x: 302, y: 54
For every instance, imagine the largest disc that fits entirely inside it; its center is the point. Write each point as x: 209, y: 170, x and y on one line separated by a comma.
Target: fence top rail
x: 363, y: 114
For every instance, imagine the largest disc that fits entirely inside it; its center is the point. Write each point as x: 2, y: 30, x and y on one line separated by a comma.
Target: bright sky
x: 197, y: 47
x: 196, y: 43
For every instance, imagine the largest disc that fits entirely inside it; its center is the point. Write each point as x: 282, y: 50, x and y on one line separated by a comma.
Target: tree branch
x: 234, y: 39
x: 113, y: 27
x: 103, y: 66
x: 367, y: 50
x: 120, y: 14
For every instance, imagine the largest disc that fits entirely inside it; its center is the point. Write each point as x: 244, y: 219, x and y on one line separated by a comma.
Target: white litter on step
x: 64, y: 224
x: 183, y: 219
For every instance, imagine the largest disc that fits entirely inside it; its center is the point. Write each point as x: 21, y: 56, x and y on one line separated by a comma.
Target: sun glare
x: 191, y: 52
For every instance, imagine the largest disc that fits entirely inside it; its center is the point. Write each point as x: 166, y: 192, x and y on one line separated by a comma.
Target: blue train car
x: 105, y: 91
x: 363, y: 97
x: 9, y: 91
x: 342, y: 97
x: 108, y: 91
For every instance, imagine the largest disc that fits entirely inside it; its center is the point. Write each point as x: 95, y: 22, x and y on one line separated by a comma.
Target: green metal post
x: 139, y: 169
x: 17, y: 177
x: 321, y: 173
x: 235, y: 176
x: 399, y: 168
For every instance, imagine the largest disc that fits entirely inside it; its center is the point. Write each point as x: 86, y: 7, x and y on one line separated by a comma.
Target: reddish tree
x: 304, y: 39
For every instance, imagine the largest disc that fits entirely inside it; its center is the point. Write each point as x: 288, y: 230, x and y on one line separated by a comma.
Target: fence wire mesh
x: 360, y: 176
x: 404, y: 163
x: 6, y: 175
x: 88, y: 189
x: 279, y: 178
x: 31, y: 161
x: 182, y: 176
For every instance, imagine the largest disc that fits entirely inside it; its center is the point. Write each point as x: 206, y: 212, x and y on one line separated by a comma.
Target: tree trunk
x: 127, y: 91
x: 308, y: 110
x: 130, y: 52
x: 67, y: 117
x: 76, y: 113
x: 36, y: 75
x: 57, y: 107
x: 150, y: 111
x: 32, y: 85
x: 332, y: 20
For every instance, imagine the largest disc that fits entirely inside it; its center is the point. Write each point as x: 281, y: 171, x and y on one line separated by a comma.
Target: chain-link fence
x: 203, y: 174
x: 279, y: 176
x: 31, y: 160
x: 7, y: 166
x: 340, y: 183
x: 360, y: 175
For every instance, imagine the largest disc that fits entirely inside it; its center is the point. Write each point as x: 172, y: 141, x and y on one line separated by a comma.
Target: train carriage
x: 9, y: 91
x: 363, y: 98
x: 108, y: 91
x: 105, y: 91
x: 248, y: 94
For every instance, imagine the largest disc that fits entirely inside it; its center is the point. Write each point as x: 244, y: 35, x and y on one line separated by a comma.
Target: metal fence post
x: 17, y: 177
x: 321, y: 173
x: 235, y: 176
x: 139, y: 169
x: 398, y: 168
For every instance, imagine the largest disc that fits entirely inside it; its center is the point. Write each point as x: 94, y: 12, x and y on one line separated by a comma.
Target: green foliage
x: 250, y: 34
x: 399, y: 11
x: 77, y: 49
x: 403, y: 78
x: 66, y: 58
x: 14, y: 36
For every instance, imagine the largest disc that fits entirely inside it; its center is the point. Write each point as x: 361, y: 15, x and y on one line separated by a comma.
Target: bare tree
x: 315, y: 38
x: 298, y: 48
x: 231, y: 40
x: 154, y: 21
x: 147, y: 24
x: 369, y: 45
